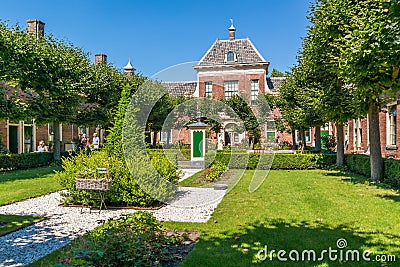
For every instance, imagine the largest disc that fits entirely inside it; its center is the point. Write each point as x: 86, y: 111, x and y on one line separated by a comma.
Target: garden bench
x: 100, y: 185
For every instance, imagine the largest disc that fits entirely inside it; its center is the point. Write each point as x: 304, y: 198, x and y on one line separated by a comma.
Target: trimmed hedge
x: 361, y: 164
x: 274, y: 162
x: 23, y: 161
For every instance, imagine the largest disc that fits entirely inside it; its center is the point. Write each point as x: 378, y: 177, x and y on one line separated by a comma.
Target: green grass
x: 298, y: 210
x: 190, y: 181
x: 23, y: 184
x: 295, y: 210
x: 10, y: 223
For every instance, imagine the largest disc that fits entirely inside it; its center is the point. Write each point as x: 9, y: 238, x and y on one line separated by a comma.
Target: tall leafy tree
x: 370, y: 60
x: 101, y: 95
x: 114, y: 137
x: 277, y: 73
x: 299, y: 101
x: 245, y: 113
x: 363, y: 40
x: 334, y: 101
x: 48, y: 71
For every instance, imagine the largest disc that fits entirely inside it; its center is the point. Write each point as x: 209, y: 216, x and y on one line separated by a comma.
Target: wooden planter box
x: 92, y: 184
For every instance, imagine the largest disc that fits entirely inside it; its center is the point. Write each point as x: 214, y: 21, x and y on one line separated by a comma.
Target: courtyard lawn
x: 298, y: 210
x: 191, y: 181
x: 295, y: 210
x: 23, y: 184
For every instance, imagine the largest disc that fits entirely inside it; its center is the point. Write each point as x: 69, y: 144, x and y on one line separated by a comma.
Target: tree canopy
x: 55, y: 82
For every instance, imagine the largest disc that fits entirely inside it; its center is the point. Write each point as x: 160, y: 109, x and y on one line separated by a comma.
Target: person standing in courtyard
x: 84, y: 142
x: 96, y: 141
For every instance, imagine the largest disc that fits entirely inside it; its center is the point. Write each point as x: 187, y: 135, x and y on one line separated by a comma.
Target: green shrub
x: 164, y: 167
x: 135, y: 240
x: 392, y: 172
x: 124, y: 189
x: 294, y: 161
x: 361, y: 164
x: 25, y: 160
x: 277, y: 161
x: 329, y: 141
x: 358, y: 164
x: 216, y: 170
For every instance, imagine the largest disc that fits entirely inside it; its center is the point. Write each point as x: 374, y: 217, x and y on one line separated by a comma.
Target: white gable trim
x: 255, y: 49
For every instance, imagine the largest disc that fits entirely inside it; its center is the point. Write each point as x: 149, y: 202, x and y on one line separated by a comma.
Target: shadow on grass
x: 395, y: 198
x: 241, y: 248
x: 358, y: 179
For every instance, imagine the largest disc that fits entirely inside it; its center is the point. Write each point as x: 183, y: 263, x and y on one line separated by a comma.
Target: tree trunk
x: 154, y: 139
x: 339, y: 144
x: 294, y: 138
x: 317, y: 138
x: 375, y: 141
x: 56, y: 141
x: 302, y: 138
x: 168, y: 139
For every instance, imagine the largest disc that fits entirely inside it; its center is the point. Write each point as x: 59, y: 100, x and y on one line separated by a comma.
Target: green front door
x: 323, y: 142
x: 13, y: 139
x: 198, y: 144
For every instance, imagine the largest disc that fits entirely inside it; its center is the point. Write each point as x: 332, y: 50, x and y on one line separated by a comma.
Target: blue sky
x: 159, y: 34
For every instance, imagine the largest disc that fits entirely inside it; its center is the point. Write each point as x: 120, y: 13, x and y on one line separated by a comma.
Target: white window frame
x: 391, y: 125
x: 231, y: 88
x: 164, y: 137
x: 307, y: 133
x: 227, y: 57
x: 269, y: 130
x: 357, y: 134
x: 254, y: 90
x: 208, y: 86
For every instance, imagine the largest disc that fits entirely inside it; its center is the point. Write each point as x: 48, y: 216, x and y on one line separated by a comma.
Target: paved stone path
x: 64, y: 224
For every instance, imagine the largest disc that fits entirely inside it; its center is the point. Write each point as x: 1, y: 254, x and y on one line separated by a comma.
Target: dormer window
x: 230, y: 57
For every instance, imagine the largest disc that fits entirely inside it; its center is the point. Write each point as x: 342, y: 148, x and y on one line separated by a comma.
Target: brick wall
x: 42, y: 133
x: 3, y: 132
x: 243, y: 84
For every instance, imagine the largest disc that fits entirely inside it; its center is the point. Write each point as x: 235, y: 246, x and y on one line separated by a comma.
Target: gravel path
x: 66, y: 223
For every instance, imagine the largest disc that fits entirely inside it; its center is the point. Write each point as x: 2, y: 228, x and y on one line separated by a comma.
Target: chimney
x: 100, y: 59
x: 35, y: 27
x: 232, y: 31
x: 129, y: 70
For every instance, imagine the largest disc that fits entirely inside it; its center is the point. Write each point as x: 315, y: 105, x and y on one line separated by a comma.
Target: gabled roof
x: 244, y: 50
x: 180, y: 88
x: 15, y: 91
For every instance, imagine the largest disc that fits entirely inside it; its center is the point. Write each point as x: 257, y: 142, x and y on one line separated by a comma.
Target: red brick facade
x: 17, y: 140
x: 244, y: 81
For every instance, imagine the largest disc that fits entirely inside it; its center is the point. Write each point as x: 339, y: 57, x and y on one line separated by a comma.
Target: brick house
x: 229, y: 67
x: 24, y: 136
